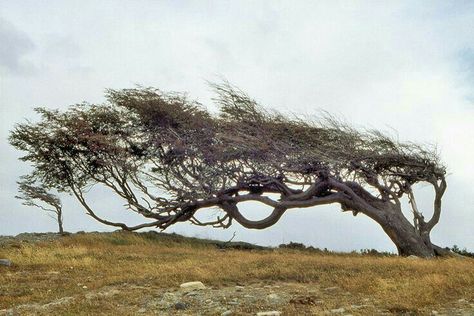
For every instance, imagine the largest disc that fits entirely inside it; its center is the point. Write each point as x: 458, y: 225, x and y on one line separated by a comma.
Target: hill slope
x: 132, y: 273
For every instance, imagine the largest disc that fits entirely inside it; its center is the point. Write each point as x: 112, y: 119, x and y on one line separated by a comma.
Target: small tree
x: 37, y: 195
x: 168, y: 158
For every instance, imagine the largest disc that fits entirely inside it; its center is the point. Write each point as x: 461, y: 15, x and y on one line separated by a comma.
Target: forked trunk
x: 404, y: 235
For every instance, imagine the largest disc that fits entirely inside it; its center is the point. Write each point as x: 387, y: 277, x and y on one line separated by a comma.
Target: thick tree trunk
x: 403, y: 234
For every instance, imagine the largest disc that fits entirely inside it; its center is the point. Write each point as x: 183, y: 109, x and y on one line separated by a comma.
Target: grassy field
x: 145, y: 265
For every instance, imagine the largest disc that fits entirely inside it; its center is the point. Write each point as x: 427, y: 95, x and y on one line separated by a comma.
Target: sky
x: 404, y: 67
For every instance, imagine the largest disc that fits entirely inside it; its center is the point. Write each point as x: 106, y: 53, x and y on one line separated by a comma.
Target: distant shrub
x: 463, y: 251
x: 375, y: 252
x: 293, y: 245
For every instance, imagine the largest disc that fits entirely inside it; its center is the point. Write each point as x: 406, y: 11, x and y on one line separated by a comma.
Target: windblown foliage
x: 168, y: 157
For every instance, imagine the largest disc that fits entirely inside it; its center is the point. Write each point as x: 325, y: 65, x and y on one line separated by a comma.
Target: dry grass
x: 47, y: 271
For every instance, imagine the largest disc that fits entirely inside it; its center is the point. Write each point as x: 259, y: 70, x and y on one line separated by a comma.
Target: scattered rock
x: 54, y: 272
x: 269, y: 313
x: 239, y: 288
x: 227, y: 313
x: 273, y: 298
x: 180, y: 306
x: 192, y: 286
x: 338, y: 310
x: 168, y: 296
x: 434, y: 313
x: 110, y: 293
x: 60, y: 301
x: 10, y: 312
x: 5, y: 262
x: 332, y: 288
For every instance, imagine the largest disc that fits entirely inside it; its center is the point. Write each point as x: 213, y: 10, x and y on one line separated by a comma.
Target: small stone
x: 233, y: 303
x: 10, y: 312
x: 5, y: 262
x: 168, y: 296
x: 192, y: 293
x: 273, y: 298
x: 332, y: 288
x: 227, y: 313
x: 338, y: 310
x: 434, y: 313
x: 269, y: 313
x: 192, y: 286
x: 142, y: 310
x: 53, y: 272
x: 180, y: 306
x: 84, y: 287
x: 239, y: 288
x: 462, y: 300
x: 413, y: 257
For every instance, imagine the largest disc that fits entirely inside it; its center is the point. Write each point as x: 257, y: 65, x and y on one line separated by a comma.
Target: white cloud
x: 398, y: 65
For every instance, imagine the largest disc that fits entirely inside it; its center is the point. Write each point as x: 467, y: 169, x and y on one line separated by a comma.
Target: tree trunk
x: 403, y: 234
x: 60, y: 221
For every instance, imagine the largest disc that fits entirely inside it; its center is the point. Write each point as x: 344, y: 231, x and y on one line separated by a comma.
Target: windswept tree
x: 38, y: 196
x: 168, y: 158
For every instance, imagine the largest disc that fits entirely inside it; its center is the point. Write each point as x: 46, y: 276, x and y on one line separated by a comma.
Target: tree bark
x: 59, y: 213
x: 406, y: 238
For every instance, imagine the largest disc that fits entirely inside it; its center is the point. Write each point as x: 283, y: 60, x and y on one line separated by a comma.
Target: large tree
x: 168, y: 157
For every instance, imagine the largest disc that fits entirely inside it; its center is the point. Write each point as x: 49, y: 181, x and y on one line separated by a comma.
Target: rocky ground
x: 245, y: 299
x: 261, y: 298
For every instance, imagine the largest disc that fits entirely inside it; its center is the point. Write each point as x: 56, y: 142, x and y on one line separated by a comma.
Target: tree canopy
x: 168, y: 157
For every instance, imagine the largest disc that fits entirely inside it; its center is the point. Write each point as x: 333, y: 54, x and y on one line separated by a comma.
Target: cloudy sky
x: 399, y: 66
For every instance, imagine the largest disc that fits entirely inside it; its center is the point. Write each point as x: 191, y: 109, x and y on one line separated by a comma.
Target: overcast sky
x: 394, y: 65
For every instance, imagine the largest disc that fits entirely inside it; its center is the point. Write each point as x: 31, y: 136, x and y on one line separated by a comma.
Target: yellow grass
x: 47, y: 271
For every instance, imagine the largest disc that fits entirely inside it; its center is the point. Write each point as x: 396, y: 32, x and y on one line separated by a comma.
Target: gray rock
x: 11, y: 312
x: 142, y: 310
x: 338, y: 310
x: 269, y: 313
x: 168, y: 296
x: 227, y: 313
x: 239, y: 288
x: 273, y: 298
x: 192, y: 286
x: 180, y: 306
x: 332, y: 288
x: 5, y: 262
